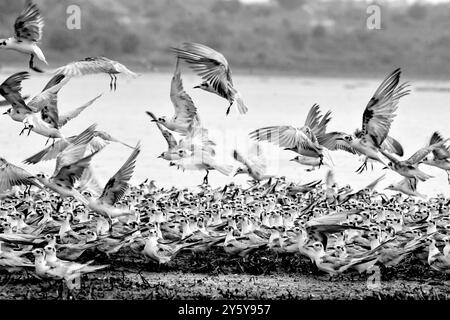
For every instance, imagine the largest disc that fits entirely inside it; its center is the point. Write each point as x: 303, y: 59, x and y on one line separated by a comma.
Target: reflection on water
x: 271, y: 101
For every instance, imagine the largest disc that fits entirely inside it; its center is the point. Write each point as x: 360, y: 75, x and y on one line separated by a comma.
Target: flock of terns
x: 58, y: 218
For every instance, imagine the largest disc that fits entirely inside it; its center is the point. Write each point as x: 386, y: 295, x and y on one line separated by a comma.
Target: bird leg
x: 205, y: 179
x: 362, y: 167
x: 32, y: 67
x: 229, y: 108
x: 23, y: 130
x: 111, y: 82
x: 115, y: 82
x: 30, y: 127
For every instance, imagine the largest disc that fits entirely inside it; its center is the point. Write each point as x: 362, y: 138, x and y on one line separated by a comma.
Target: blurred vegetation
x: 295, y: 36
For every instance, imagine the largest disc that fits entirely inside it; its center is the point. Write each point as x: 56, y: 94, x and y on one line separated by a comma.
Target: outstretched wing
x: 393, y: 146
x: 70, y: 173
x: 166, y: 134
x: 63, y: 119
x: 208, y: 63
x: 185, y: 110
x: 49, y: 153
x: 29, y: 24
x: 441, y: 153
x: 118, y: 184
x: 283, y: 136
x: 75, y: 151
x: 11, y: 89
x: 334, y: 141
x: 379, y: 112
x: 11, y: 175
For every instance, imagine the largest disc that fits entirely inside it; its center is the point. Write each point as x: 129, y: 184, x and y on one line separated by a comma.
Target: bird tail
x: 422, y: 176
x: 122, y: 69
x: 239, y: 102
x: 39, y: 54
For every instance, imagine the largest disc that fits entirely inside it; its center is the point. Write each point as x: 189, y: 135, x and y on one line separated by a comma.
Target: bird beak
x: 160, y: 156
x: 293, y: 159
x: 5, y: 112
x: 384, y: 168
x: 153, y: 120
x: 197, y: 87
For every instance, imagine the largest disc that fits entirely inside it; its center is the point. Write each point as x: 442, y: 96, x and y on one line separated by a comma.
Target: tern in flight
x: 305, y: 140
x: 409, y: 168
x: 377, y: 119
x: 40, y: 114
x: 185, y: 110
x: 215, y: 71
x: 27, y: 34
x: 92, y: 65
x: 440, y: 156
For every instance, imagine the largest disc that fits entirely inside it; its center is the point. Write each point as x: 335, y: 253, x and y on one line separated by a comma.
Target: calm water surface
x: 271, y: 101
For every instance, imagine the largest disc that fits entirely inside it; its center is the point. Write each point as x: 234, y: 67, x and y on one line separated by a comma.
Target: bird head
x: 346, y: 137
x: 41, y: 176
x: 39, y: 252
x: 239, y: 171
x: 389, y: 165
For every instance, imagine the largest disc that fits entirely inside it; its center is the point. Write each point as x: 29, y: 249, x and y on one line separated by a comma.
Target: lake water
x: 271, y: 101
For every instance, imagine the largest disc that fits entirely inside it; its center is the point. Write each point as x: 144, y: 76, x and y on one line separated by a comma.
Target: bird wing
x: 70, y: 173
x: 313, y: 117
x: 88, y: 182
x: 209, y: 64
x: 410, y: 183
x: 393, y: 146
x: 29, y: 24
x: 185, y: 110
x: 89, y: 65
x: 390, y: 157
x: 106, y: 137
x: 255, y: 167
x: 284, y: 136
x: 49, y: 153
x: 316, y: 122
x: 419, y: 155
x: 10, y: 90
x: 48, y: 96
x: 440, y: 153
x: 63, y: 119
x: 379, y: 112
x: 197, y: 141
x: 118, y: 184
x: 334, y: 141
x: 166, y: 134
x: 11, y: 175
x: 374, y: 183
x: 75, y: 150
